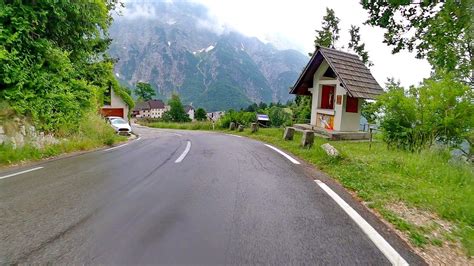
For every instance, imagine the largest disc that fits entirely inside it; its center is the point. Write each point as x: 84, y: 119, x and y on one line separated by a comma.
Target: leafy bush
x: 242, y: 117
x: 440, y: 110
x: 301, y: 109
x: 279, y: 117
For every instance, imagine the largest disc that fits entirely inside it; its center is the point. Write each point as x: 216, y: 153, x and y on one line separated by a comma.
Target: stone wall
x: 21, y: 133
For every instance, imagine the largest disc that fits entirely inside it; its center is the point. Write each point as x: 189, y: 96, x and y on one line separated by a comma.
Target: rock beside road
x: 330, y: 150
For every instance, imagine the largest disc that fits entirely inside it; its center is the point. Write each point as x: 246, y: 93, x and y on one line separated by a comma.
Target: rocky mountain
x: 177, y: 47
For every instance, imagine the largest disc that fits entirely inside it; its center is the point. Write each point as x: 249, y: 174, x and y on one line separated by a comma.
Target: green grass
x: 93, y: 133
x: 196, y: 125
x: 380, y: 176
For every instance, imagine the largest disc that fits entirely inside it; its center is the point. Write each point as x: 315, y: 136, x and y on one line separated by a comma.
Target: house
x: 189, y: 109
x: 139, y: 108
x: 214, y: 116
x: 150, y: 109
x: 339, y: 83
x: 114, y: 105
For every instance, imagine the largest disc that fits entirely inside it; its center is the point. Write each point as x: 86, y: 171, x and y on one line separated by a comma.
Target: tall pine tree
x: 329, y: 33
x: 357, y: 46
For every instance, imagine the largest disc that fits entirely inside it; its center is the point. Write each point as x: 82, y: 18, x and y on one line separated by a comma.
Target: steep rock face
x: 174, y: 47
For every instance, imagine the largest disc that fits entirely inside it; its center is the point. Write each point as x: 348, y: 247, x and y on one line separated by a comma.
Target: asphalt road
x: 229, y: 200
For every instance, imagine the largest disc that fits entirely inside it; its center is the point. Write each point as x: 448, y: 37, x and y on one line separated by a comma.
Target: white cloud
x: 292, y: 24
x: 144, y: 10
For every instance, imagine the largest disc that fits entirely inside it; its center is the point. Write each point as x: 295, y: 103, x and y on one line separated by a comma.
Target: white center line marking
x: 22, y: 172
x: 284, y: 154
x: 389, y: 252
x: 188, y: 147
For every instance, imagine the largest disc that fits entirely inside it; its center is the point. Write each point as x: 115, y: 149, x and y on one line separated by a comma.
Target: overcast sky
x: 291, y: 24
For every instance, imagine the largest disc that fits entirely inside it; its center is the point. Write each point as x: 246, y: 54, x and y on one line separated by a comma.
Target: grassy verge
x: 92, y: 133
x: 426, y: 182
x: 205, y: 125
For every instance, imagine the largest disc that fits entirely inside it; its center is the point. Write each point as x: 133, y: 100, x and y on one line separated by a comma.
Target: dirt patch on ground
x: 450, y: 251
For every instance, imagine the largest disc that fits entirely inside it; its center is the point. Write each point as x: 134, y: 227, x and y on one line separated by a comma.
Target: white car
x: 110, y: 118
x: 121, y: 126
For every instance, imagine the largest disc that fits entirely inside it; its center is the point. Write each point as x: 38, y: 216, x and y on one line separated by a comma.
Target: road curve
x: 228, y: 200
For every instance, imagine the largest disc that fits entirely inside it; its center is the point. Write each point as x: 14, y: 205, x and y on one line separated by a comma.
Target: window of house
x: 352, y: 104
x: 327, y: 97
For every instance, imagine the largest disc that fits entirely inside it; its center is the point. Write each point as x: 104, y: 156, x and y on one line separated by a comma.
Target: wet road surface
x: 229, y: 200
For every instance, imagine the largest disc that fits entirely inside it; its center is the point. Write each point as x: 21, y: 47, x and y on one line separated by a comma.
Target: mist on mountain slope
x: 179, y: 48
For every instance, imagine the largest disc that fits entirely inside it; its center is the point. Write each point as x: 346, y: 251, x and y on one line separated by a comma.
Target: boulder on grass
x: 240, y: 128
x: 232, y: 126
x: 307, y: 139
x: 330, y: 150
x: 289, y: 133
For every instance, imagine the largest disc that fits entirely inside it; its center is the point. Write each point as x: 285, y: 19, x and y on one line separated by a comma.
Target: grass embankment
x: 385, y: 178
x: 93, y: 133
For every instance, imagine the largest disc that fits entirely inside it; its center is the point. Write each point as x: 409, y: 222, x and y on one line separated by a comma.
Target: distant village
x: 156, y: 108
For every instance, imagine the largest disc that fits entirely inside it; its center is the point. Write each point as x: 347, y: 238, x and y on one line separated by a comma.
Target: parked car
x: 110, y: 118
x: 121, y: 126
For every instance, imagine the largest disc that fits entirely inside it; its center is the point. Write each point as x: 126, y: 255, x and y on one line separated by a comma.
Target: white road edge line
x: 22, y: 172
x: 119, y: 146
x: 235, y: 135
x: 389, y: 252
x: 185, y: 152
x: 284, y: 154
x: 116, y: 147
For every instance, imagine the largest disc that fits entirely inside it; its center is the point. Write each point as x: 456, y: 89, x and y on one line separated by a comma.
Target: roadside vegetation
x: 55, y: 75
x: 92, y: 132
x: 197, y: 125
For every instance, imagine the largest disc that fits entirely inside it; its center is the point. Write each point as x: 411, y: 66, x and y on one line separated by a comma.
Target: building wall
x: 342, y: 120
x: 152, y: 113
x: 191, y: 114
x: 350, y: 121
x: 117, y: 102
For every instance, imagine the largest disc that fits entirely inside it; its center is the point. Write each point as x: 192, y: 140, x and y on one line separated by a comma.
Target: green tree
x: 329, y: 33
x: 200, y: 114
x: 242, y: 118
x: 301, y: 109
x: 441, y: 32
x: 176, y: 112
x: 48, y: 50
x: 252, y: 108
x: 262, y: 106
x: 144, y: 91
x: 439, y: 110
x: 278, y: 116
x: 358, y: 47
